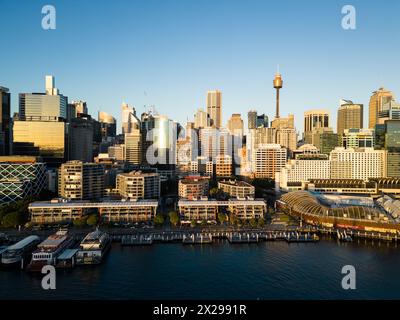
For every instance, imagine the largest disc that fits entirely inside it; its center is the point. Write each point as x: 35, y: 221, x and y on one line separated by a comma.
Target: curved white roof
x: 23, y: 243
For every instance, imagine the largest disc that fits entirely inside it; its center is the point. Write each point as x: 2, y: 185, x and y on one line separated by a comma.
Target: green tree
x: 92, y: 220
x: 213, y: 192
x: 253, y: 222
x: 80, y: 222
x: 203, y: 223
x: 193, y: 223
x: 221, y: 217
x: 159, y: 219
x: 174, y: 217
x: 261, y: 222
x: 11, y: 220
x: 232, y: 219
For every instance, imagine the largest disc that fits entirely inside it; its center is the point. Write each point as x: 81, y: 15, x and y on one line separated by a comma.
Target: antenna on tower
x: 277, y: 68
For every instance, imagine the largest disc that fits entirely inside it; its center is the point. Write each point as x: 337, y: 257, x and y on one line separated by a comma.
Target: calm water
x: 272, y: 270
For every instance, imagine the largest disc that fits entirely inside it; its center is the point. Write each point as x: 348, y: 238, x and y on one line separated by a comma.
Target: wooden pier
x: 136, y: 240
x: 197, y: 238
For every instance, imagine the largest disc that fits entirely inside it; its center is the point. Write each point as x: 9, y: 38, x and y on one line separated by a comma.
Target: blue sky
x: 105, y: 52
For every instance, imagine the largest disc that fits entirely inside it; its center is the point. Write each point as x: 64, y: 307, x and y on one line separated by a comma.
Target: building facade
x: 268, y: 160
x: 21, y: 177
x: 237, y: 189
x: 138, y: 185
x: 81, y: 181
x: 350, y: 116
x: 214, y: 107
x: 193, y: 187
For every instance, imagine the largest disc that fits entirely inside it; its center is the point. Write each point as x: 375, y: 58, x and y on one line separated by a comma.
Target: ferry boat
x: 17, y: 253
x: 48, y: 251
x: 93, y: 248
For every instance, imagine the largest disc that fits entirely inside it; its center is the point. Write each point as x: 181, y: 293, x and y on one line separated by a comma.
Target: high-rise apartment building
x: 81, y: 181
x: 138, y: 185
x: 350, y: 116
x: 223, y: 165
x: 193, y: 187
x: 214, y: 107
x: 268, y: 160
x: 376, y: 102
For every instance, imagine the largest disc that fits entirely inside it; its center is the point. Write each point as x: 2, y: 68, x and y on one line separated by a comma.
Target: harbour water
x: 267, y: 270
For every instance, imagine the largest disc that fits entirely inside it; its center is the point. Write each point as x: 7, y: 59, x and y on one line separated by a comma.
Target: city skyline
x: 129, y: 68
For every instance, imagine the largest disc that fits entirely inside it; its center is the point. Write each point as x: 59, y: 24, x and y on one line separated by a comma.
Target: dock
x: 197, y: 238
x: 301, y: 237
x: 136, y: 240
x: 244, y: 238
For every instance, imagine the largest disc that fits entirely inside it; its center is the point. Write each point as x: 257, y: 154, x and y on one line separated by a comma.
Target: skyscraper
x: 314, y: 119
x: 159, y: 136
x: 377, y: 100
x: 80, y: 136
x: 324, y: 139
x: 392, y: 145
x: 201, y: 119
x: 252, y: 119
x: 235, y: 125
x: 50, y: 104
x: 108, y: 125
x: 350, y: 116
x: 133, y: 147
x: 75, y: 108
x: 287, y: 137
x: 129, y: 120
x: 280, y: 123
x: 262, y: 121
x: 44, y: 137
x: 390, y: 111
x: 214, y: 106
x: 5, y: 105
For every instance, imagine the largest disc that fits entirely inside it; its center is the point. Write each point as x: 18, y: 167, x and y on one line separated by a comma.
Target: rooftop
x: 87, y: 204
x: 237, y: 183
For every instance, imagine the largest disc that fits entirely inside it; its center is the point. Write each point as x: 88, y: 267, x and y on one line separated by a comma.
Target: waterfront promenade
x: 207, y: 234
